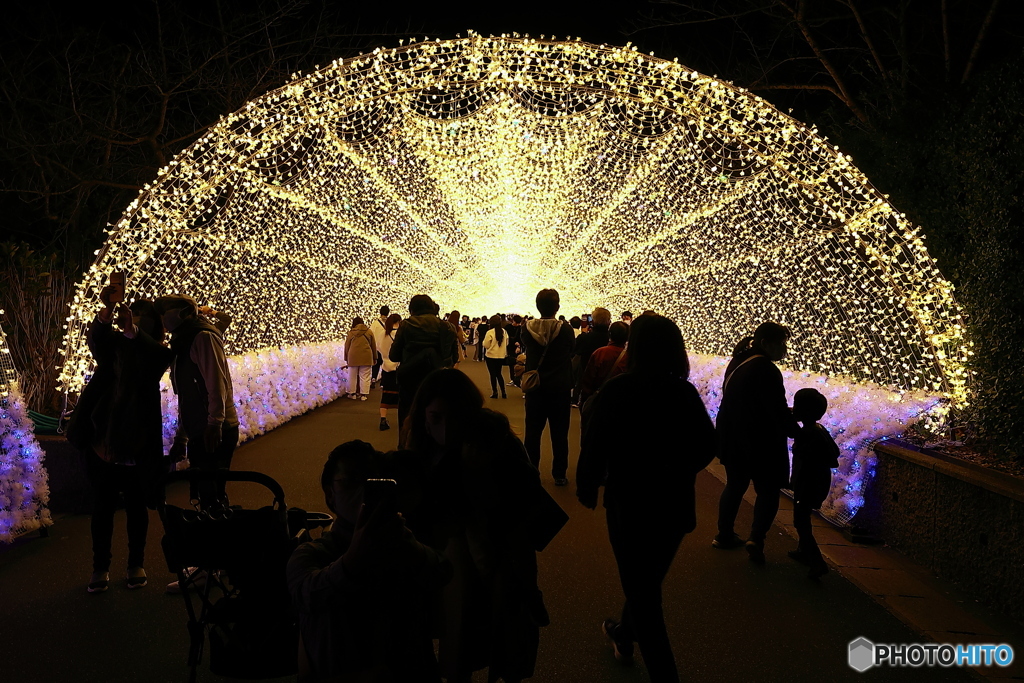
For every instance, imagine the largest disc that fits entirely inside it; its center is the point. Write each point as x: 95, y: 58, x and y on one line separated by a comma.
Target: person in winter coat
x: 481, y: 332
x: 754, y: 421
x: 363, y: 588
x: 586, y: 344
x: 460, y: 335
x: 648, y: 438
x: 118, y: 427
x: 360, y: 355
x: 423, y: 344
x: 389, y: 370
x: 549, y: 344
x: 479, y: 501
x: 606, y: 362
x: 377, y: 328
x: 496, y: 352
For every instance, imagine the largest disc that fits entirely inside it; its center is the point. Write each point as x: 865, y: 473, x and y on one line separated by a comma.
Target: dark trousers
x: 376, y: 368
x: 407, y: 388
x: 644, y: 550
x: 511, y: 360
x: 494, y: 366
x: 802, y: 521
x: 218, y: 459
x: 765, y: 507
x: 109, y: 483
x: 550, y: 408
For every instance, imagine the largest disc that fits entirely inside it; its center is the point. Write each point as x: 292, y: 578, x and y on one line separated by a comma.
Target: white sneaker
x: 193, y: 577
x: 363, y: 397
x: 353, y: 396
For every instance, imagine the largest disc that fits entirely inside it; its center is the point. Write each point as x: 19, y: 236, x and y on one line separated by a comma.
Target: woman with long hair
x: 460, y: 334
x: 496, y: 353
x: 477, y: 488
x: 754, y: 421
x: 648, y: 437
x: 388, y: 371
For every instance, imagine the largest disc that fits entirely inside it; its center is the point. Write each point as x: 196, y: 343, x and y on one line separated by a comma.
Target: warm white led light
x: 480, y: 170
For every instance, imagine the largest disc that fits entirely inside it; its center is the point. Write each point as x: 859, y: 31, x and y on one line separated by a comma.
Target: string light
x: 24, y: 489
x: 480, y: 170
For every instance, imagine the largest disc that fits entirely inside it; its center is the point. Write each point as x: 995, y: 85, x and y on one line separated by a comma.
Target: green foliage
x: 953, y: 164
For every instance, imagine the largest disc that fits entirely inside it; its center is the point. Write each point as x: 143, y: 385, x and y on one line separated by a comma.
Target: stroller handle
x: 219, y: 475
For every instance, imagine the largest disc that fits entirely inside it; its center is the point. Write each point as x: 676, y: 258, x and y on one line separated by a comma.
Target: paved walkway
x: 728, y: 619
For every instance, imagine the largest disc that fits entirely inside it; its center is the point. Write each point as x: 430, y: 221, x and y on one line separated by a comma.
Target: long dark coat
x: 120, y: 407
x: 647, y: 439
x: 475, y: 505
x: 754, y: 420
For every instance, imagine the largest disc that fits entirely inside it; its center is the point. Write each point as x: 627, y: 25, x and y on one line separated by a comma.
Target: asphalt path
x: 728, y: 619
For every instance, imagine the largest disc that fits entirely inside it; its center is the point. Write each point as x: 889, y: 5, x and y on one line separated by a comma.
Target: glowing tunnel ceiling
x: 480, y: 170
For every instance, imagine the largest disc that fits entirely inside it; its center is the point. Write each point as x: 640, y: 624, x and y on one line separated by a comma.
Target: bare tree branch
x: 799, y: 15
x: 982, y: 32
x: 882, y: 71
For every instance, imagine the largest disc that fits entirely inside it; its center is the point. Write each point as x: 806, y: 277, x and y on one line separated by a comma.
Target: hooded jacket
x: 423, y: 344
x: 360, y: 347
x: 556, y: 370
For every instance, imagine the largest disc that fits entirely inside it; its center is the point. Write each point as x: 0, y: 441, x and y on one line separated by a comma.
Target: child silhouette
x: 815, y: 453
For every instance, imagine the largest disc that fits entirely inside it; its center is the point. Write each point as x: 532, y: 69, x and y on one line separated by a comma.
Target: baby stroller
x: 242, y: 554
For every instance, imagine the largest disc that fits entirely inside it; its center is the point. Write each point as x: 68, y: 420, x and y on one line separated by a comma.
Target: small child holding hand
x: 815, y: 453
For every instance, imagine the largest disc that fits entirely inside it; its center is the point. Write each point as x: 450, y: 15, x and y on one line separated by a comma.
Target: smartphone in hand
x: 381, y: 493
x: 117, y: 284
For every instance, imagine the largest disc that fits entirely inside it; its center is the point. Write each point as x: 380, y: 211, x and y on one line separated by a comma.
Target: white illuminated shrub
x: 24, y: 490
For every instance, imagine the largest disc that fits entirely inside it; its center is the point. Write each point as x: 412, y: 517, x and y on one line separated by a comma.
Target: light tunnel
x: 482, y: 169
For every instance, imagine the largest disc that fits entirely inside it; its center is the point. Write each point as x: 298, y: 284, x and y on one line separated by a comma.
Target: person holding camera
x: 118, y: 427
x: 362, y: 589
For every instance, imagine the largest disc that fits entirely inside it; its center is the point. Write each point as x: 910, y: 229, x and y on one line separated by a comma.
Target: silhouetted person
x: 118, y: 426
x: 207, y: 419
x: 460, y: 336
x: 606, y: 362
x: 815, y: 453
x: 478, y: 502
x: 586, y: 344
x: 649, y: 436
x: 514, y: 345
x: 549, y: 344
x: 754, y: 422
x: 377, y: 328
x: 423, y: 344
x: 496, y: 353
x: 481, y: 332
x: 360, y: 355
x: 389, y: 370
x: 363, y: 588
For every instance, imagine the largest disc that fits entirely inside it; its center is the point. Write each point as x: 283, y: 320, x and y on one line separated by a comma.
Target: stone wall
x: 963, y: 521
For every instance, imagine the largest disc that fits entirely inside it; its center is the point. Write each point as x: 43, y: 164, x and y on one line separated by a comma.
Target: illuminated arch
x: 480, y: 170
